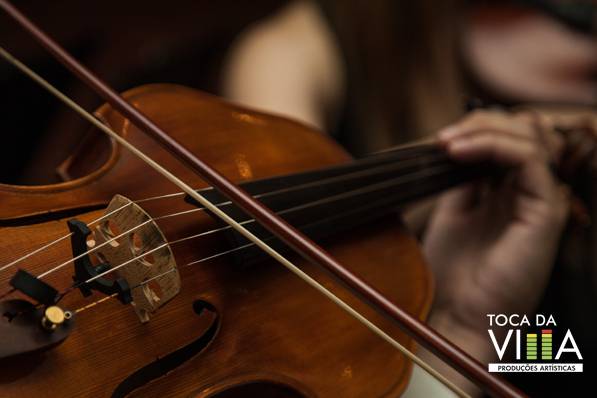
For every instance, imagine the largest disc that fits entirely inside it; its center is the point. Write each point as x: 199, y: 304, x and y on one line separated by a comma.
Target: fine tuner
x: 136, y: 266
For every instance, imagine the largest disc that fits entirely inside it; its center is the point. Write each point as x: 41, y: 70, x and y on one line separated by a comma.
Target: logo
x: 532, y: 347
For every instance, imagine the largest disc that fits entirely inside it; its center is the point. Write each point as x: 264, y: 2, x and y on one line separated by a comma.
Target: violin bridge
x: 151, y: 273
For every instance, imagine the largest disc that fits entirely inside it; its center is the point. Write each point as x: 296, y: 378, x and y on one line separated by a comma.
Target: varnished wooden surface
x: 273, y: 326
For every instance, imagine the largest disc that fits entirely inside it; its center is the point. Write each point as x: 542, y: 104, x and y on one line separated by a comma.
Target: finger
x: 519, y: 124
x: 502, y: 149
x: 530, y: 160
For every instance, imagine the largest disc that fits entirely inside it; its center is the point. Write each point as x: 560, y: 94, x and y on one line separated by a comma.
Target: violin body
x: 233, y: 329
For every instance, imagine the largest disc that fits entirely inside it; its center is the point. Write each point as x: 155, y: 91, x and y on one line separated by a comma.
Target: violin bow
x: 423, y: 334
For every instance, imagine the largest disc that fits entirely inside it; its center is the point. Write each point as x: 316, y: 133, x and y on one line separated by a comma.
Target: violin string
x: 165, y: 196
x: 361, y: 173
x: 220, y: 254
x: 229, y: 220
x: 48, y: 245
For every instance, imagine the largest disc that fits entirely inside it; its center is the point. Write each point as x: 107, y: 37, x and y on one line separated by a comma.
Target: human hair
x: 403, y: 68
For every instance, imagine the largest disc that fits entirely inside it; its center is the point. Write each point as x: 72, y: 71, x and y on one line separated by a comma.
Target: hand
x: 492, y: 246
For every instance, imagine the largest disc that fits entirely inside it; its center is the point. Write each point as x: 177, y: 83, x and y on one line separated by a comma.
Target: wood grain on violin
x: 233, y: 329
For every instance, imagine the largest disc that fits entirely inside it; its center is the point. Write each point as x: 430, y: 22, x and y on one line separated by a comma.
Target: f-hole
x: 176, y: 358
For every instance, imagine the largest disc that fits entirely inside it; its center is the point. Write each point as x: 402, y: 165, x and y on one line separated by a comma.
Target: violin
x: 222, y: 322
x: 151, y: 272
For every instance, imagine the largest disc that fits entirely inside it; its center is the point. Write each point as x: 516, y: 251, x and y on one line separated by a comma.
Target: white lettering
x: 500, y: 350
x: 563, y: 347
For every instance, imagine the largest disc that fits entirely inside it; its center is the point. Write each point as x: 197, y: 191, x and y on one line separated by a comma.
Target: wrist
x: 472, y: 337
